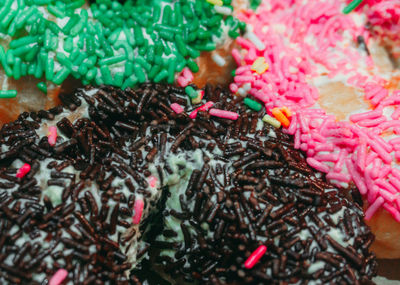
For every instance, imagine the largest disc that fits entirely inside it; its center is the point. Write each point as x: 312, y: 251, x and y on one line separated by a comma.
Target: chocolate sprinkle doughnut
x: 213, y: 191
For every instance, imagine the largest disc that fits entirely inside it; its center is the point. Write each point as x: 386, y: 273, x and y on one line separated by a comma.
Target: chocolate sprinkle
x: 240, y: 188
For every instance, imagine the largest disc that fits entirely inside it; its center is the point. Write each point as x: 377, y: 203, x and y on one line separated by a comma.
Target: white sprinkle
x: 223, y: 10
x: 247, y: 86
x: 219, y: 60
x: 255, y: 40
x: 242, y: 92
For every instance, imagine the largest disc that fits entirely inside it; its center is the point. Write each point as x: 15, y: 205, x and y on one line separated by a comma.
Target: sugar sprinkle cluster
x: 298, y: 42
x: 109, y: 42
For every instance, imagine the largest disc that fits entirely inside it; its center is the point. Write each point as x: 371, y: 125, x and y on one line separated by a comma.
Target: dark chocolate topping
x: 251, y: 188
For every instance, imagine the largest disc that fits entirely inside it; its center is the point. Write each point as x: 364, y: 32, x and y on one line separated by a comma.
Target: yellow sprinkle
x: 197, y: 99
x: 259, y: 65
x: 216, y: 2
x: 272, y: 121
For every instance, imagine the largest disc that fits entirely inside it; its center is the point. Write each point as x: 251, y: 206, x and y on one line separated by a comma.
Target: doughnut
x: 90, y: 190
x: 336, y: 70
x: 50, y: 48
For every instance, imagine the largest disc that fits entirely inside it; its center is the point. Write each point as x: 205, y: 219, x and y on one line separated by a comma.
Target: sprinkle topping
x: 52, y: 135
x: 138, y: 208
x: 24, y: 170
x: 120, y: 44
x: 255, y: 257
x: 259, y: 65
x: 58, y: 277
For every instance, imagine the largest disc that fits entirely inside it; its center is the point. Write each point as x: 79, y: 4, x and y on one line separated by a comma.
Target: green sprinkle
x: 128, y: 68
x: 139, y: 73
x: 252, y: 104
x: 118, y: 79
x: 42, y: 87
x: 56, y: 11
x: 352, y: 5
x: 49, y: 71
x: 71, y: 23
x: 23, y: 41
x: 129, y: 36
x: 192, y: 66
x: 61, y: 76
x: 154, y: 71
x: 24, y: 69
x: 161, y: 76
x: 68, y: 44
x: 190, y: 92
x: 76, y: 29
x: 17, y: 68
x: 10, y: 57
x: 22, y: 50
x: 106, y: 75
x: 143, y: 63
x: 5, y: 94
x: 112, y: 60
x: 171, y: 70
x: 91, y: 74
x: 130, y: 82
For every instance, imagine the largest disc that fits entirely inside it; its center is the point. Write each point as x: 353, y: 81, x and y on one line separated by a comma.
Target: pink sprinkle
x: 52, y: 135
x: 297, y: 142
x: 361, y: 155
x: 385, y: 185
x: 380, y: 151
x: 206, y: 106
x: 236, y: 56
x: 365, y: 116
x: 233, y: 87
x: 356, y: 177
x: 384, y: 171
x: 342, y: 177
x: 332, y: 157
x: 396, y: 114
x: 317, y: 165
x: 373, y: 208
x: 325, y: 147
x: 176, y: 108
x: 293, y: 125
x: 396, y: 173
x: 193, y: 114
x: 395, y: 182
x: 339, y: 163
x: 375, y: 168
x: 379, y: 97
x: 23, y: 170
x: 255, y: 257
x: 138, y: 208
x: 243, y: 79
x: 182, y: 81
x: 386, y: 195
x: 187, y: 74
x: 372, y: 123
x: 393, y: 211
x: 224, y: 114
x: 58, y: 277
x: 153, y: 181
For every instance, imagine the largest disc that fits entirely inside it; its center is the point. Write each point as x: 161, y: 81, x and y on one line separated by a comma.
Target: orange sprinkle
x: 286, y: 111
x: 280, y: 117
